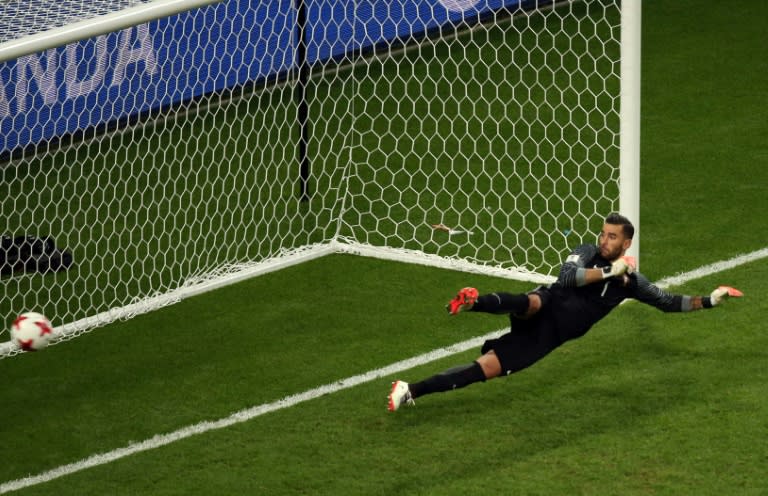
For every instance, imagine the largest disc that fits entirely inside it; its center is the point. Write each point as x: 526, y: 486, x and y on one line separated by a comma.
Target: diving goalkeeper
x: 593, y: 280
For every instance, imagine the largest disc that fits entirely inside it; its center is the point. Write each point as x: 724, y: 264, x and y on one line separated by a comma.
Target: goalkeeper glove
x: 620, y: 266
x: 722, y: 293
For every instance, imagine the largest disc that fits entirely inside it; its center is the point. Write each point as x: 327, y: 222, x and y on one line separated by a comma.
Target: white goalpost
x: 46, y: 30
x: 629, y: 164
x: 171, y: 147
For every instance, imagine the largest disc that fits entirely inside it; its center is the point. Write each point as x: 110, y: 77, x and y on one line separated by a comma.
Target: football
x: 32, y: 331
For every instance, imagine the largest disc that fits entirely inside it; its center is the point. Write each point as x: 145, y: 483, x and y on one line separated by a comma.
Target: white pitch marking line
x: 294, y: 399
x: 244, y: 415
x: 714, y: 268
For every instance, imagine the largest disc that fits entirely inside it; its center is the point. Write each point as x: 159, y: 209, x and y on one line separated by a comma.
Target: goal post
x: 33, y: 40
x: 629, y: 181
x: 488, y: 136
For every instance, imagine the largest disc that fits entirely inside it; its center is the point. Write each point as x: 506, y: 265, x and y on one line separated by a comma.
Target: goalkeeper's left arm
x: 651, y: 294
x: 719, y: 295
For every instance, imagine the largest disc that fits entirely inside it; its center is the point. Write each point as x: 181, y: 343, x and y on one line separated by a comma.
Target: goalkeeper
x: 593, y: 280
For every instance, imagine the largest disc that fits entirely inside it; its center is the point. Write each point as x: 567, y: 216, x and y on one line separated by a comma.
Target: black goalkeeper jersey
x: 575, y: 309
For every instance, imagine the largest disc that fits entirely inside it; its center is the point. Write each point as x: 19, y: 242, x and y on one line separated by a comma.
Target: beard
x: 609, y: 254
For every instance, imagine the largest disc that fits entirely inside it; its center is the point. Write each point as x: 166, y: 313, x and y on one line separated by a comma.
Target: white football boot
x: 399, y: 396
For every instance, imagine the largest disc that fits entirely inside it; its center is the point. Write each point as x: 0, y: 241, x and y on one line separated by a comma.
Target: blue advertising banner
x: 64, y: 90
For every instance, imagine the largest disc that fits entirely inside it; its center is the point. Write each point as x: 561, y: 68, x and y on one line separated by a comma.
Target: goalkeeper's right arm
x: 574, y: 271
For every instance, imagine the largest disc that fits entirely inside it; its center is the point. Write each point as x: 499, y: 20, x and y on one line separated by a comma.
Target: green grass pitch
x: 645, y: 403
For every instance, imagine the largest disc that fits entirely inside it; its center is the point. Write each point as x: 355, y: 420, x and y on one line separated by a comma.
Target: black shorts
x: 527, y: 342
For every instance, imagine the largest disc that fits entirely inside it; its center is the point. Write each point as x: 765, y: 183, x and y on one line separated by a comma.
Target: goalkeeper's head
x: 616, y: 236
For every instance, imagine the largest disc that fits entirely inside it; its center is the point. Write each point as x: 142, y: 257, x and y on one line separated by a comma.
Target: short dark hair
x: 616, y: 219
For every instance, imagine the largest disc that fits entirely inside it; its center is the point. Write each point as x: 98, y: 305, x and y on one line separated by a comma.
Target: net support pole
x: 629, y: 155
x: 88, y: 28
x: 302, y: 81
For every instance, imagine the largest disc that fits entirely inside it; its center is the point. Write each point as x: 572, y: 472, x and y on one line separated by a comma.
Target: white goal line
x: 247, y: 414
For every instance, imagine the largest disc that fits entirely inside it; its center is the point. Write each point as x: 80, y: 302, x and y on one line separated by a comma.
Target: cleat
x: 399, y: 396
x: 464, y: 300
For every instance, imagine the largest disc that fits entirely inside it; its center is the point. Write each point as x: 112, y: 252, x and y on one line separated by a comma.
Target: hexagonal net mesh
x: 170, y: 158
x: 504, y: 136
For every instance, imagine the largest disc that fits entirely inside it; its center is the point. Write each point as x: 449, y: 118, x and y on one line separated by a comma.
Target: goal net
x: 192, y: 151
